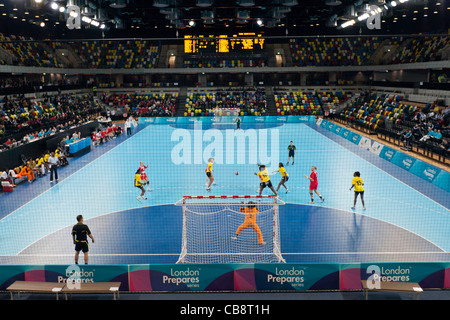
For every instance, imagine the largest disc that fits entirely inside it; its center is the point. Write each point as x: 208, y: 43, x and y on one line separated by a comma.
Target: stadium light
x: 362, y: 17
x: 259, y: 22
x: 348, y: 23
x: 54, y: 6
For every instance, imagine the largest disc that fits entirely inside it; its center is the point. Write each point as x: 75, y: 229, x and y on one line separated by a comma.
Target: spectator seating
x: 28, y: 52
x: 420, y: 49
x: 25, y: 114
x: 422, y: 129
x: 333, y: 51
x: 307, y: 103
x: 250, y: 101
x: 144, y: 104
x: 110, y: 54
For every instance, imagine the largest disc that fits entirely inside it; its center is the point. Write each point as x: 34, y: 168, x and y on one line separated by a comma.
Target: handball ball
x: 236, y: 173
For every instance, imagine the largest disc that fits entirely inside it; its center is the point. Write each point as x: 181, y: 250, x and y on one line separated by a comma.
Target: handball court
x: 406, y: 218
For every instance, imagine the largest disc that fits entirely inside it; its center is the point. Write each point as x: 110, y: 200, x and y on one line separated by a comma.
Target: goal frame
x: 276, y: 224
x: 218, y: 110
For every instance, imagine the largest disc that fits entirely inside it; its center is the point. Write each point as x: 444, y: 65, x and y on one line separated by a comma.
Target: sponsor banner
x: 387, y: 153
x: 299, y: 119
x: 319, y: 121
x: 234, y: 277
x: 365, y: 143
x: 297, y: 276
x: 376, y: 148
x: 324, y: 124
x: 424, y: 170
x: 353, y: 137
x: 64, y: 273
x: 442, y: 180
x: 226, y: 119
x: 427, y: 275
x: 337, y: 129
x: 403, y: 161
x: 344, y: 133
x: 182, y: 277
x: 331, y: 126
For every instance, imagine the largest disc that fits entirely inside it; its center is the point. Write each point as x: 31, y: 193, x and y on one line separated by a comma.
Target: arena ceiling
x: 174, y: 18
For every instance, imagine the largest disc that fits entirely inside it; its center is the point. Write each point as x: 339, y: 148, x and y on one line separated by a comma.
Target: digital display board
x: 240, y: 42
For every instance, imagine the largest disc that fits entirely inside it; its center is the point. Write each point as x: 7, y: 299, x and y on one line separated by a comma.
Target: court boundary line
x: 372, y: 164
x: 59, y: 182
x: 374, y: 218
x: 287, y: 253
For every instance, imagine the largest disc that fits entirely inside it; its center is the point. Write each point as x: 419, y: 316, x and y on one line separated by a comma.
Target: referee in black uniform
x: 291, y: 149
x: 80, y: 232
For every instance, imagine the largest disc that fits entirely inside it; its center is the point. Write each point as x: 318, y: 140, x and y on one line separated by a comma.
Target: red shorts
x: 313, y: 186
x: 144, y: 176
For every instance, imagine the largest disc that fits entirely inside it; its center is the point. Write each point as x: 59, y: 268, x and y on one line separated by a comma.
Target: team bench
x: 55, y: 287
x: 410, y: 287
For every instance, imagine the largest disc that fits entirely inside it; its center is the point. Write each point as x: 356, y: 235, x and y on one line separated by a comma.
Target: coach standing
x: 80, y: 232
x: 53, y: 162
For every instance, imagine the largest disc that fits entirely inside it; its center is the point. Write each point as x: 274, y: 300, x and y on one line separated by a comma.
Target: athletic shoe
x: 364, y: 208
x: 208, y: 189
x: 323, y: 199
x: 144, y: 198
x: 353, y: 208
x: 311, y: 202
x: 139, y: 199
x: 263, y: 243
x: 287, y: 191
x: 234, y: 238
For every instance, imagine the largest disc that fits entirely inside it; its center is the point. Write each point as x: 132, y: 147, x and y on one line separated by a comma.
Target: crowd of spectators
x: 339, y: 51
x: 30, y: 120
x: 33, y: 168
x: 26, y: 52
x: 158, y: 104
x: 427, y: 125
x: 420, y: 49
x: 298, y: 102
x: 110, y: 54
x: 251, y: 101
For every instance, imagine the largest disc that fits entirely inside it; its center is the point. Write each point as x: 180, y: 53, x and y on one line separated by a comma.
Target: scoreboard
x: 241, y: 42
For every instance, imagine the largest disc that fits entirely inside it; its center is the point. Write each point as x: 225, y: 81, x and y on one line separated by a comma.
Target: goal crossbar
x: 230, y: 229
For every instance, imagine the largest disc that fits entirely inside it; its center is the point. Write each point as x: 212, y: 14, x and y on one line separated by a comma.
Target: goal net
x: 225, y: 115
x: 230, y: 229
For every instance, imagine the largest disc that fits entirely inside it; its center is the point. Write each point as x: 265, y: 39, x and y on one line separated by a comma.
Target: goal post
x: 230, y: 229
x: 225, y: 115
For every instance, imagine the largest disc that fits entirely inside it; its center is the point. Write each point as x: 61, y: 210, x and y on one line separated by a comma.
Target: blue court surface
x: 406, y: 218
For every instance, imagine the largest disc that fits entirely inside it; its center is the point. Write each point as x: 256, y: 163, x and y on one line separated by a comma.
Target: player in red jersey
x: 313, y: 184
x: 144, y: 178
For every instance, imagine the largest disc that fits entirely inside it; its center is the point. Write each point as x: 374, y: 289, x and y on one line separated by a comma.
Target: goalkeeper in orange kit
x: 250, y: 221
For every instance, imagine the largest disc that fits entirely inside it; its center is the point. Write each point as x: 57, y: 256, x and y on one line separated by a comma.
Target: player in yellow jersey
x: 265, y: 179
x: 284, y: 177
x: 250, y: 221
x: 209, y: 174
x: 138, y: 184
x: 358, y: 184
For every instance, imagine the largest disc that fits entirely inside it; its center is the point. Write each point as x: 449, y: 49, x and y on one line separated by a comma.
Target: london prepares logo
x: 379, y: 274
x: 188, y: 276
x: 293, y: 276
